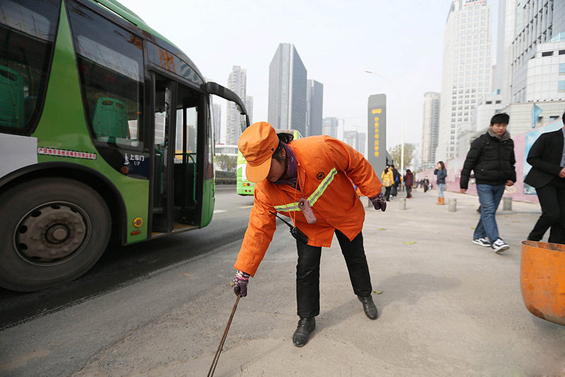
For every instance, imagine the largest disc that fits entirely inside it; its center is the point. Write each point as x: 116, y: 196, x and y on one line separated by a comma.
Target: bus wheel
x: 52, y: 230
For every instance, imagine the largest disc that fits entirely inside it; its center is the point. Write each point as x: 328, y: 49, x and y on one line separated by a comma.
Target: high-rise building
x: 361, y: 142
x: 315, y: 107
x: 217, y: 122
x: 287, y: 90
x: 430, y: 129
x: 466, y: 69
x: 237, y: 82
x: 536, y: 23
x: 356, y: 139
x: 530, y: 67
x: 330, y: 126
x: 502, y: 79
x: 249, y: 108
x: 350, y: 137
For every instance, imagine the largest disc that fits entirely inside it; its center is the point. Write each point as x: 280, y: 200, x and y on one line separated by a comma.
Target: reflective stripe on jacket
x: 325, y: 167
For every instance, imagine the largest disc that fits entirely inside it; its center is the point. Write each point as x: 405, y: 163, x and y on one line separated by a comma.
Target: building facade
x: 535, y: 47
x: 467, y: 69
x: 287, y: 90
x: 530, y: 69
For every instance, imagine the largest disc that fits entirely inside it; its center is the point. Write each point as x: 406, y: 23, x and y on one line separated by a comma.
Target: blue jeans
x: 489, y: 198
x: 440, y: 188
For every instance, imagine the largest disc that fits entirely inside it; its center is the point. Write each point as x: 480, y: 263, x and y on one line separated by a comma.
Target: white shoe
x: 499, y: 246
x: 481, y: 241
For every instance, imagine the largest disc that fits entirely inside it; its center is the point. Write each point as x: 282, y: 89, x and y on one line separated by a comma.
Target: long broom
x: 219, y: 351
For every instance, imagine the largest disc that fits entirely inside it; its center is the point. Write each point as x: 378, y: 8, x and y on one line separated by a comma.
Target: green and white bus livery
x: 105, y: 133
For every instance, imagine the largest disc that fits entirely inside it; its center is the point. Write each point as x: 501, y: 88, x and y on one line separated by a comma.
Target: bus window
x: 110, y: 63
x: 27, y: 32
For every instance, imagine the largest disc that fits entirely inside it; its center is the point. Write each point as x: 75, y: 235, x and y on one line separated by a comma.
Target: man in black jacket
x: 547, y: 158
x: 492, y: 159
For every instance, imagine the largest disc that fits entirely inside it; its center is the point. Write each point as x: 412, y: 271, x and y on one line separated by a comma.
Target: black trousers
x: 387, y: 192
x: 552, y: 202
x: 308, y: 272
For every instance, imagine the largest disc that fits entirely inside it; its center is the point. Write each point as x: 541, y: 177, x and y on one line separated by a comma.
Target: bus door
x: 165, y: 91
x: 189, y: 140
x: 176, y: 193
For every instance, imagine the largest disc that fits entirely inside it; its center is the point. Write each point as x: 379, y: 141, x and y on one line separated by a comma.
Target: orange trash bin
x: 542, y: 280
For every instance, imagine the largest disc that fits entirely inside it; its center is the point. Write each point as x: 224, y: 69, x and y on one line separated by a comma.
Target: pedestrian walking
x: 310, y: 181
x: 397, y: 181
x: 408, y: 183
x: 492, y: 159
x: 387, y: 179
x: 441, y: 173
x: 547, y: 176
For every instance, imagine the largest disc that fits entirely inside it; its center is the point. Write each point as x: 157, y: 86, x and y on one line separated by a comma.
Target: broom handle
x: 217, y: 356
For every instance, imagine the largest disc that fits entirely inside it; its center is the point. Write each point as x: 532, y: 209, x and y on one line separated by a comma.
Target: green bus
x: 106, y: 135
x: 243, y: 186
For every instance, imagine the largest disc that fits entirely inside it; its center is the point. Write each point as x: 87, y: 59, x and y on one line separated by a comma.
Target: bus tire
x: 52, y: 230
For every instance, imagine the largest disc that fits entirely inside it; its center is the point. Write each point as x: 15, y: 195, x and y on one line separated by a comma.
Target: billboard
x: 376, y: 132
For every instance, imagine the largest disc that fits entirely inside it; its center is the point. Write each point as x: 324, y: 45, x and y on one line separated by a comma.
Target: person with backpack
x: 397, y: 181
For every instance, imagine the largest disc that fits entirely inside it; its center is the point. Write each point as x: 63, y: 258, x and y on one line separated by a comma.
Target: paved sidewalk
x: 447, y: 307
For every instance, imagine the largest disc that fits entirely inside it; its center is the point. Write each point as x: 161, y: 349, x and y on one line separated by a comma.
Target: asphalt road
x: 127, y: 265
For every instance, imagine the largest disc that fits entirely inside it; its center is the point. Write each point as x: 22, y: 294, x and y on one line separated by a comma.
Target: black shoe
x: 302, y: 333
x: 369, y: 307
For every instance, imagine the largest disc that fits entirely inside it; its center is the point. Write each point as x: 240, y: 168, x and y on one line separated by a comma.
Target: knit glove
x: 379, y: 201
x: 240, y: 281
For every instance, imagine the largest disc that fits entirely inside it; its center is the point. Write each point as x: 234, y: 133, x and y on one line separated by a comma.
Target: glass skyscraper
x: 467, y: 65
x: 287, y: 90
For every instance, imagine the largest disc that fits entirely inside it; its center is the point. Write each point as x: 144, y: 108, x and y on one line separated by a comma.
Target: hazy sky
x: 337, y: 40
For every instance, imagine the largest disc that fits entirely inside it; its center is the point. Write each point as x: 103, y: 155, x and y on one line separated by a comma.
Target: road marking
x: 249, y: 206
x: 220, y: 210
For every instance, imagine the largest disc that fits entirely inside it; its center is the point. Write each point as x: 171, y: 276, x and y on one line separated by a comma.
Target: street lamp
x: 401, y: 116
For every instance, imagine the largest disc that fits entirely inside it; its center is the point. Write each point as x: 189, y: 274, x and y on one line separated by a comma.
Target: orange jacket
x: 325, y: 167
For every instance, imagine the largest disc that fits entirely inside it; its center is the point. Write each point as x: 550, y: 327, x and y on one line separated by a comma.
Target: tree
x: 396, y: 152
x: 226, y: 163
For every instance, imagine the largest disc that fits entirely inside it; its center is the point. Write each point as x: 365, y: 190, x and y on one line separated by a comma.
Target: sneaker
x: 499, y: 246
x: 481, y: 241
